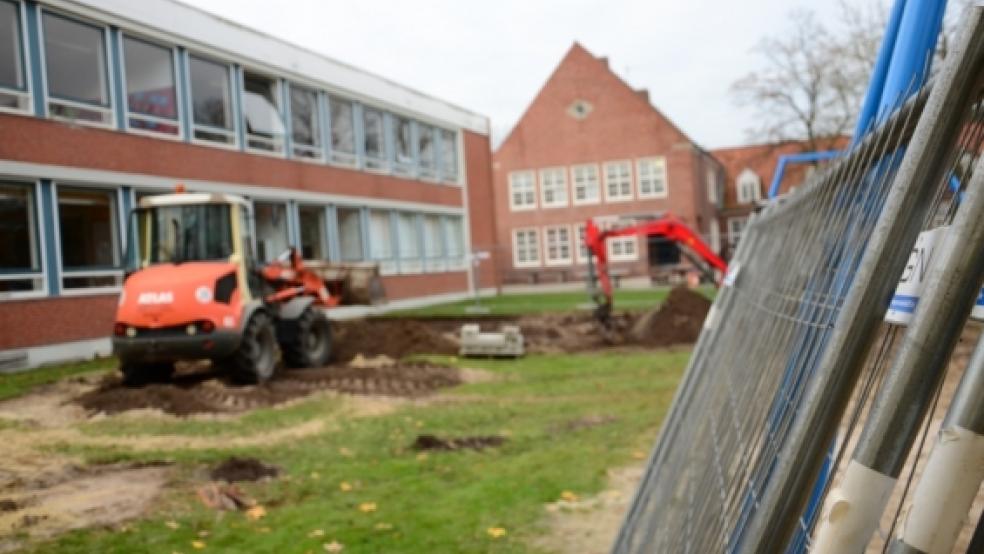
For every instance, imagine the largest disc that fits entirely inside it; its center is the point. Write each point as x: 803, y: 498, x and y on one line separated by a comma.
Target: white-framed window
x: 715, y: 243
x: 749, y: 187
x: 557, y: 247
x: 526, y: 248
x: 211, y: 101
x: 623, y: 249
x: 736, y: 225
x: 618, y: 181
x: 262, y: 113
x: 21, y: 271
x: 587, y: 189
x: 409, y: 237
x: 449, y: 155
x: 522, y: 190
x: 150, y: 76
x: 89, y: 239
x: 711, y: 181
x: 314, y: 232
x: 305, y: 119
x: 381, y: 248
x: 14, y: 88
x: 426, y: 151
x: 581, y: 251
x: 553, y: 187
x: 403, y: 142
x: 342, y: 124
x: 651, y: 173
x: 374, y: 139
x: 77, y: 70
x: 350, y: 237
x: 433, y: 244
x: 455, y: 242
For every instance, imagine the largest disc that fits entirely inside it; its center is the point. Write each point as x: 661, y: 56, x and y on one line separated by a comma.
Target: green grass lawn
x: 441, y: 502
x: 16, y: 384
x: 532, y: 303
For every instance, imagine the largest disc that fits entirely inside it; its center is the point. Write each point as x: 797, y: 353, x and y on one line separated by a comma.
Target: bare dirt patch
x: 206, y: 392
x: 235, y: 469
x: 79, y: 498
x: 395, y: 338
x: 588, y: 525
x: 432, y: 442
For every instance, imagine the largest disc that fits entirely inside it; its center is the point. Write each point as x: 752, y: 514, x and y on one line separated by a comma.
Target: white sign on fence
x: 911, y: 283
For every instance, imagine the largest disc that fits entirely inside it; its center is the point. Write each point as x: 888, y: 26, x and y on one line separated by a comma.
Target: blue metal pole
x: 796, y: 158
x: 872, y: 98
x: 918, y: 33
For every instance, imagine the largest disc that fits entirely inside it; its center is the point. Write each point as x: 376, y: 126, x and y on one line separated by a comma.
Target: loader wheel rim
x: 263, y: 351
x: 315, y: 341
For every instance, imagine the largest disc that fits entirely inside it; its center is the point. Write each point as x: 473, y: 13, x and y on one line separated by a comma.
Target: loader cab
x: 194, y: 227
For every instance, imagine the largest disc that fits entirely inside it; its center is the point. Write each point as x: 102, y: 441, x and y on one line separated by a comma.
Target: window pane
x: 261, y: 112
x: 433, y: 246
x: 404, y: 145
x: 75, y: 59
x: 272, y: 239
x: 11, y: 60
x: 18, y: 231
x: 449, y: 154
x: 87, y: 221
x: 375, y: 137
x: 409, y: 237
x: 312, y: 221
x: 305, y: 125
x: 211, y: 94
x: 350, y: 233
x: 425, y: 145
x: 380, y: 236
x: 150, y: 85
x: 342, y: 131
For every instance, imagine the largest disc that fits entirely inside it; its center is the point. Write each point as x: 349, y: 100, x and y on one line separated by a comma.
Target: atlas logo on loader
x: 152, y: 298
x: 194, y: 254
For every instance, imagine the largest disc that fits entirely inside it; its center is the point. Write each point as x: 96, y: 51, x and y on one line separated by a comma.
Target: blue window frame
x: 77, y: 72
x: 14, y: 94
x: 21, y: 270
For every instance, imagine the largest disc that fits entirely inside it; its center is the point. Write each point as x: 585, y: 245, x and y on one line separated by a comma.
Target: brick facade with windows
x: 749, y: 171
x: 587, y: 146
x: 104, y: 102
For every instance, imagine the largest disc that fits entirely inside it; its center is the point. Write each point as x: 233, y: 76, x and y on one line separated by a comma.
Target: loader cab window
x: 178, y: 234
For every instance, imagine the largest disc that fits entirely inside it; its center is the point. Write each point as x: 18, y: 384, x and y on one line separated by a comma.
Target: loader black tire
x: 140, y: 374
x: 256, y: 359
x: 306, y: 341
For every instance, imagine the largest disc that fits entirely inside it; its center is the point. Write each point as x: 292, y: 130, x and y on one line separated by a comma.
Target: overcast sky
x: 493, y: 56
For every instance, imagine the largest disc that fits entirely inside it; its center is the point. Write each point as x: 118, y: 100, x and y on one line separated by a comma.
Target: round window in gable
x: 580, y: 109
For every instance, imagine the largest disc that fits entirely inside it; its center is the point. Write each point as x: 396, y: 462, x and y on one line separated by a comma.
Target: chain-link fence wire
x: 770, y: 328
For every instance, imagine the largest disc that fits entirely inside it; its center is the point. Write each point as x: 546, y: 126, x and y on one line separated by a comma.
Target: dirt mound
x: 395, y: 338
x: 432, y: 442
x: 234, y: 470
x: 207, y: 393
x: 677, y: 321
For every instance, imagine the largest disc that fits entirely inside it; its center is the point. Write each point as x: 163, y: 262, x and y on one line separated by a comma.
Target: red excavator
x: 663, y: 226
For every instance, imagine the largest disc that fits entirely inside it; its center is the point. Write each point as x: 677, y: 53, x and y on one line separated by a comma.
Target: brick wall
x: 620, y: 124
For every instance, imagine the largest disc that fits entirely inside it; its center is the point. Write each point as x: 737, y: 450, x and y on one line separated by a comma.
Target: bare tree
x: 812, y: 80
x: 803, y: 92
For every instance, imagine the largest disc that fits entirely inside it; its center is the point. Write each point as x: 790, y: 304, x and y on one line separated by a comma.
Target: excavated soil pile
x: 234, y: 470
x: 207, y: 393
x: 395, y: 338
x: 432, y: 442
x: 677, y: 321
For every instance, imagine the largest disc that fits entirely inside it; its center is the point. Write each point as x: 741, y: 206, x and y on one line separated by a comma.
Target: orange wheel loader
x: 195, y: 291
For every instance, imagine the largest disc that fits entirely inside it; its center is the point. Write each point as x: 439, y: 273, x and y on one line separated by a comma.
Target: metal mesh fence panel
x: 795, y: 326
